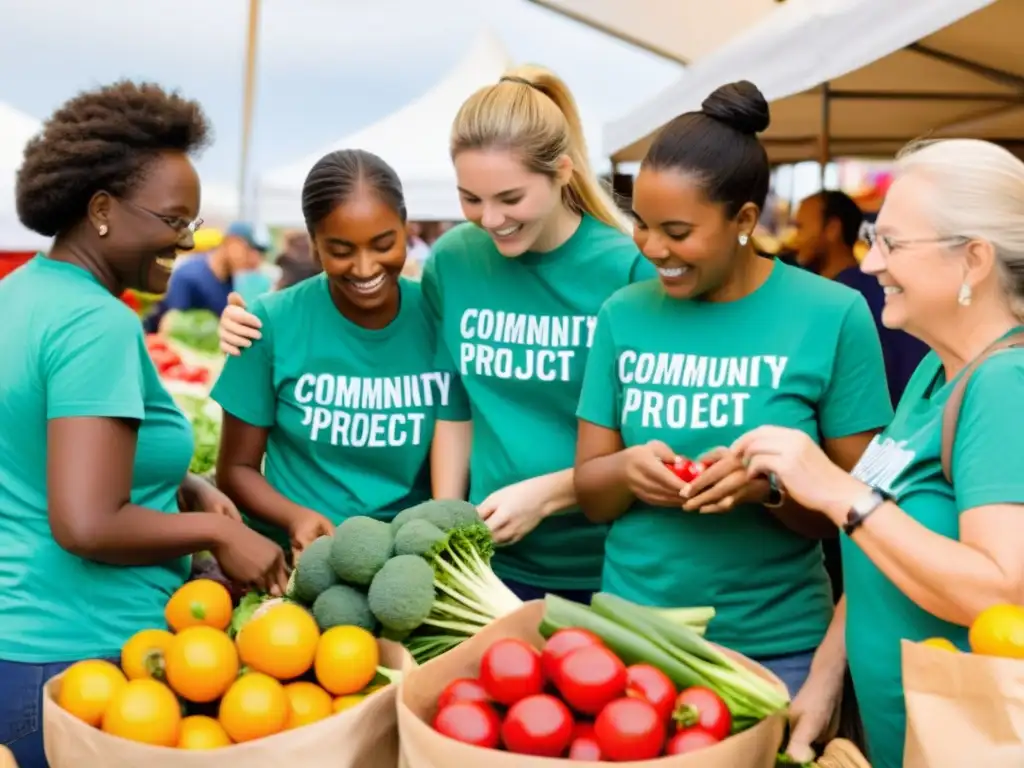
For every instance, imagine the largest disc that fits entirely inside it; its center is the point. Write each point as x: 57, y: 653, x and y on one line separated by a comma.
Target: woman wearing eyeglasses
x: 924, y: 555
x: 93, y: 450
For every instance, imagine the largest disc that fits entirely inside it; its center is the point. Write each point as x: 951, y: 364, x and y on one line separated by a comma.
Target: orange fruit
x: 201, y: 664
x: 281, y: 643
x: 346, y: 660
x: 254, y: 707
x: 88, y: 687
x: 347, y: 702
x: 309, y: 703
x: 941, y: 643
x: 143, y: 654
x: 202, y: 732
x: 999, y: 631
x: 202, y: 602
x: 145, y: 711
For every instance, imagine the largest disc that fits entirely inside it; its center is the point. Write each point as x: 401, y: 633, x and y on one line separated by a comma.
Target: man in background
x: 205, y: 280
x: 296, y: 261
x: 828, y: 225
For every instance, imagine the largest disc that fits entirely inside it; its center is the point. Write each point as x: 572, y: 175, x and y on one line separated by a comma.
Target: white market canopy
x: 16, y: 128
x: 680, y: 30
x: 860, y: 78
x: 414, y: 141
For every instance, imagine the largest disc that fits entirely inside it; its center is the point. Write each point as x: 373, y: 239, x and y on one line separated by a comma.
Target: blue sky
x: 327, y: 67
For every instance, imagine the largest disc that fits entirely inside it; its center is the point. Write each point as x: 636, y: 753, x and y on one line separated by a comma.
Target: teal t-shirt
x: 71, y: 349
x: 800, y: 352
x: 905, y: 461
x: 517, y: 331
x: 350, y: 411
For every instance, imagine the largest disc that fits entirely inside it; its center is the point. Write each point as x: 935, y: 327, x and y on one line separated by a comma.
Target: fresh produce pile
x: 423, y: 579
x: 194, y: 687
x: 170, y: 365
x: 996, y: 631
x: 205, y: 416
x: 196, y: 329
x: 613, y: 682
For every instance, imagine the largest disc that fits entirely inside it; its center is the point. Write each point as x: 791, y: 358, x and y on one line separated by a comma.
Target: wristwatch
x: 863, y: 507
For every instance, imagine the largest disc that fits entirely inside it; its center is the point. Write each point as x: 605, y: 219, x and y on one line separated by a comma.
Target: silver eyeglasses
x: 887, y: 245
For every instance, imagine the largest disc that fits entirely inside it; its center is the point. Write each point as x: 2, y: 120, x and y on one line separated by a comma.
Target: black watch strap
x: 864, y: 508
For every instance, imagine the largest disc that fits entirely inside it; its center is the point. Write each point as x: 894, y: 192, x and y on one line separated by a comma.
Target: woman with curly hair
x: 93, y: 450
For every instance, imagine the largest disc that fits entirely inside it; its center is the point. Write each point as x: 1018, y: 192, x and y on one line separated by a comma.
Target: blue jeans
x: 527, y: 592
x: 792, y: 669
x: 21, y: 709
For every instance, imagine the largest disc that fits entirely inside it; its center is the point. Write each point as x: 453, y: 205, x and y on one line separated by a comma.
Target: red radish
x: 685, y: 469
x: 561, y: 644
x: 652, y: 685
x: 510, y: 671
x: 589, y: 678
x: 539, y: 725
x: 463, y: 689
x: 471, y: 722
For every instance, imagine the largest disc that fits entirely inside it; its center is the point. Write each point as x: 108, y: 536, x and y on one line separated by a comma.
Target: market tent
x: 413, y: 140
x: 860, y: 78
x: 680, y: 31
x: 16, y: 128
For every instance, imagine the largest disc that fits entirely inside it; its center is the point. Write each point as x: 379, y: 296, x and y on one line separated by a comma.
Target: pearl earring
x: 744, y: 238
x: 103, y: 230
x: 963, y: 296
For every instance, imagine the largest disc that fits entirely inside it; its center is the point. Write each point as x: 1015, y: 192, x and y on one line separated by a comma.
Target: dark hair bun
x: 739, y: 105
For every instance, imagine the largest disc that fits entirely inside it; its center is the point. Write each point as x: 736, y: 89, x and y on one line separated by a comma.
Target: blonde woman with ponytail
x: 516, y: 291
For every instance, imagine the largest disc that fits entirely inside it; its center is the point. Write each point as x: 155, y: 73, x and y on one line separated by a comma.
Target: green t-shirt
x: 71, y: 349
x: 800, y: 352
x: 517, y: 332
x: 905, y: 461
x: 350, y: 411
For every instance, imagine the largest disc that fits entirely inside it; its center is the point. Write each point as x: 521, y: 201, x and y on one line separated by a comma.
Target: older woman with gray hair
x: 923, y: 555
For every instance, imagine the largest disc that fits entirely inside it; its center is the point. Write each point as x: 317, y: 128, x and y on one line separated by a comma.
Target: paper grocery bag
x: 365, y: 736
x: 422, y: 747
x: 962, y: 709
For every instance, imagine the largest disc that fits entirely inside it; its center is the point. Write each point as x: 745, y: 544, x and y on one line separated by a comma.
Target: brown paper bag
x: 365, y: 736
x: 962, y: 709
x: 422, y: 747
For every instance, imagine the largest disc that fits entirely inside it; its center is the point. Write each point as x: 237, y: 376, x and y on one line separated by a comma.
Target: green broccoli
x: 402, y: 593
x: 313, y: 574
x: 444, y: 513
x: 342, y: 605
x: 360, y: 548
x: 417, y: 537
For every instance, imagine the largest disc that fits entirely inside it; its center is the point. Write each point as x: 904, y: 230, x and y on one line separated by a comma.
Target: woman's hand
x: 306, y: 529
x: 252, y: 561
x: 238, y: 328
x: 649, y: 479
x: 801, y: 467
x: 723, y: 485
x: 811, y: 713
x: 204, y: 496
x: 515, y: 510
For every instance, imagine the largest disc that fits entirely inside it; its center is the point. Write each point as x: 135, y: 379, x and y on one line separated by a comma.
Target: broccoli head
x: 360, y: 547
x: 343, y: 606
x: 402, y: 593
x: 417, y: 537
x: 446, y: 514
x: 313, y: 574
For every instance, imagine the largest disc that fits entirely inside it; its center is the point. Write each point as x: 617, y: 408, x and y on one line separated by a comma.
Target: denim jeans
x: 527, y: 592
x: 792, y: 669
x: 21, y: 709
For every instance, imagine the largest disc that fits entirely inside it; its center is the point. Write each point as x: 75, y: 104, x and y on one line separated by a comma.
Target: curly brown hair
x: 101, y: 140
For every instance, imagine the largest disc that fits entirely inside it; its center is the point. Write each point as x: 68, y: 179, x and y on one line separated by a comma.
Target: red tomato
x: 164, y: 359
x: 653, y: 686
x: 155, y: 341
x: 629, y: 729
x: 686, y: 470
x: 690, y: 740
x: 538, y: 725
x: 463, y: 689
x: 703, y: 707
x: 585, y: 748
x: 510, y: 671
x: 589, y: 678
x: 471, y: 722
x: 195, y: 374
x: 561, y: 644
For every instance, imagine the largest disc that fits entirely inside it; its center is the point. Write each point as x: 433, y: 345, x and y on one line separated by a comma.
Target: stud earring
x: 744, y: 238
x: 103, y: 230
x: 963, y: 296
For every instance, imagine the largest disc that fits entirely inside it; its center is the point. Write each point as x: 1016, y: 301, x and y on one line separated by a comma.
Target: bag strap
x: 951, y: 411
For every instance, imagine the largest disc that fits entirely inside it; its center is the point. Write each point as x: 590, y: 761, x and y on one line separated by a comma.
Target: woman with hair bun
x: 725, y: 340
